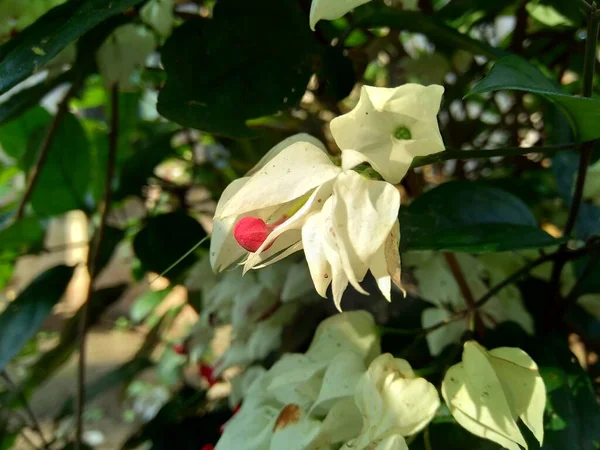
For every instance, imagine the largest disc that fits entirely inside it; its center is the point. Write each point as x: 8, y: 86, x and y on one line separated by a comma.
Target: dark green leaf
x: 471, y: 217
x: 65, y: 177
x: 15, y: 136
x: 22, y: 235
x: 451, y: 436
x: 471, y: 203
x: 434, y: 29
x: 146, y: 303
x: 53, y: 359
x: 515, y: 73
x: 487, y: 237
x: 8, y: 440
x: 27, y: 98
x: 140, y: 165
x: 42, y: 41
x: 337, y: 77
x: 166, y: 238
x: 230, y: 77
x: 24, y: 316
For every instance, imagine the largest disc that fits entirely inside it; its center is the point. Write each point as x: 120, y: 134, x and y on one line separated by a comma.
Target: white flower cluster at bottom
x: 341, y: 392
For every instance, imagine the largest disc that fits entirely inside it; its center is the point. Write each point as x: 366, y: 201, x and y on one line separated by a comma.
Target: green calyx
x: 402, y: 133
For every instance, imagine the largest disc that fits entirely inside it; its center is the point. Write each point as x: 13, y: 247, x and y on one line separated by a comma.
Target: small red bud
x: 250, y: 233
x: 208, y: 447
x: 206, y: 371
x: 180, y: 349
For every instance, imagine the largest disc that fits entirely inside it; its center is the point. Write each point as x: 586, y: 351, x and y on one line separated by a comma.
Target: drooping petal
x: 314, y: 251
x: 365, y: 213
x: 331, y: 9
x: 250, y: 429
x: 340, y: 425
x: 450, y: 333
x: 289, y: 175
x: 294, y: 429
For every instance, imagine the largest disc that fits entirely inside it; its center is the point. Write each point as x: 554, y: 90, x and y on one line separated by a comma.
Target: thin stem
x: 584, y: 161
x: 42, y: 156
x: 450, y: 154
x: 465, y: 291
x: 585, y: 6
x: 35, y: 425
x: 104, y: 209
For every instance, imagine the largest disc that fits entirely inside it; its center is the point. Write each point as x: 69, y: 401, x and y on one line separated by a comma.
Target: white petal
x: 293, y: 429
x: 353, y: 331
x: 341, y: 424
x: 331, y: 9
x: 340, y: 380
x: 314, y: 251
x: 379, y: 270
x: 250, y: 429
x: 395, y: 442
x: 289, y: 175
x: 365, y: 212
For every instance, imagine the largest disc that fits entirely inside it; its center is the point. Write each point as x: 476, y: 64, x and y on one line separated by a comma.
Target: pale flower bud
x: 393, y: 400
x: 331, y: 9
x: 490, y: 390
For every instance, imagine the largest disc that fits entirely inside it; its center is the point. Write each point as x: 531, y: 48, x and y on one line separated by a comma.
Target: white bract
x: 331, y: 9
x: 297, y: 198
x: 159, y: 15
x: 490, y: 390
x: 392, y: 401
x: 340, y: 393
x: 124, y: 52
x: 389, y: 127
x: 437, y: 285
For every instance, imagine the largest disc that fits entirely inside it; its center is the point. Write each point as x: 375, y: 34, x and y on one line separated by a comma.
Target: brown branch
x: 459, y: 276
x: 555, y: 309
x: 42, y: 156
x: 104, y: 209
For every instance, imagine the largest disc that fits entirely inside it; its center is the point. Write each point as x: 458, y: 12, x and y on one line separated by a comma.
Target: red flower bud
x: 180, y: 349
x: 206, y: 371
x: 251, y: 232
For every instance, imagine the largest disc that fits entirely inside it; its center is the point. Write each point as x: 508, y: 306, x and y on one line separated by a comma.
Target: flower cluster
x: 341, y: 392
x: 257, y: 307
x: 345, y: 217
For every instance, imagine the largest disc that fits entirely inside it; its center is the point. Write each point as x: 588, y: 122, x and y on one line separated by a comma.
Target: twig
x: 459, y: 276
x: 104, y: 209
x: 35, y: 425
x: 584, y: 162
x: 42, y: 156
x: 585, y: 6
x: 450, y: 154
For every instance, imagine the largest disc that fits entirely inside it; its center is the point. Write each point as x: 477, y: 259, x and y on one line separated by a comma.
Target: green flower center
x: 402, y: 133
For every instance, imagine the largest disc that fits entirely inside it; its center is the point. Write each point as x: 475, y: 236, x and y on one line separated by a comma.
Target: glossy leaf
x: 166, y: 238
x: 65, y: 178
x: 21, y: 236
x: 230, y: 78
x: 515, y: 73
x: 24, y: 316
x: 470, y: 217
x: 15, y: 135
x: 43, y: 40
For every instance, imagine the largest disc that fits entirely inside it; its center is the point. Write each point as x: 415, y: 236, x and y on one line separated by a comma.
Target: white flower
x: 488, y: 391
x: 124, y: 52
x: 346, y: 223
x: 356, y: 231
x: 393, y: 401
x: 389, y: 127
x: 271, y: 203
x: 331, y: 9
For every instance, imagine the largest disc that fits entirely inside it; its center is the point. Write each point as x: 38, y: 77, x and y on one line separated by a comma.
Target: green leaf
x: 42, y: 41
x: 166, y: 238
x: 230, y: 77
x: 435, y: 30
x: 572, y: 412
x: 146, y: 303
x: 515, y: 73
x: 470, y: 217
x: 65, y: 177
x: 24, y: 316
x: 15, y: 135
x: 18, y: 103
x: 22, y: 235
x: 141, y: 164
